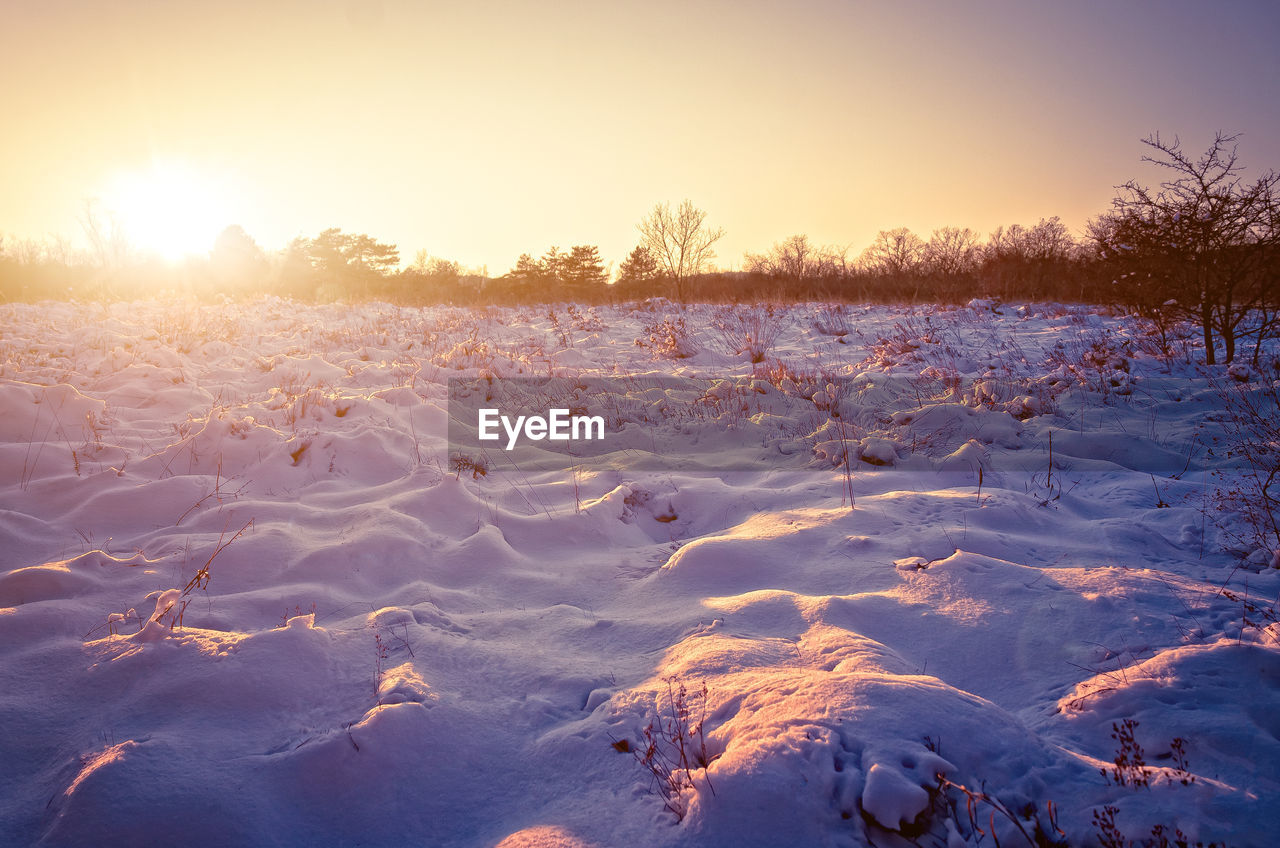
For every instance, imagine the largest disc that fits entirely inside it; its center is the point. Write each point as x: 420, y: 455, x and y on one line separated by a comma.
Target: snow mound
x: 945, y: 424
x: 543, y: 836
x: 901, y: 583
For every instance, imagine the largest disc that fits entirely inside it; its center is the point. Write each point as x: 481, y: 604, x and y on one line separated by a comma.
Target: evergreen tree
x: 582, y: 269
x: 640, y: 266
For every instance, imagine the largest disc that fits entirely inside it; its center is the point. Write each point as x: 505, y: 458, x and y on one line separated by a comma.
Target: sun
x: 171, y: 209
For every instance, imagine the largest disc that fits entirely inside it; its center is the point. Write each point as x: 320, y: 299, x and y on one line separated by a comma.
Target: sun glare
x: 170, y: 210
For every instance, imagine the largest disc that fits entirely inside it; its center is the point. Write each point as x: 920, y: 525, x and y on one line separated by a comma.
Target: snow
x: 245, y: 598
x: 891, y: 798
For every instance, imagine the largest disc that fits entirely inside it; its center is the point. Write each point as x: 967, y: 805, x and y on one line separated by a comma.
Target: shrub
x: 1130, y: 767
x: 476, y: 466
x: 674, y: 747
x: 1251, y: 435
x: 668, y: 339
x: 751, y: 330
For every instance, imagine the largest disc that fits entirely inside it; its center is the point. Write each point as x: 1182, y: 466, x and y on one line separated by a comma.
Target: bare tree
x: 951, y: 251
x: 894, y: 253
x: 1047, y: 241
x: 1020, y: 261
x: 1204, y: 239
x: 680, y: 241
x: 797, y: 258
x: 108, y: 242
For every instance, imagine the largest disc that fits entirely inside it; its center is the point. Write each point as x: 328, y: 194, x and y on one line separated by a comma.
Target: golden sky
x: 481, y: 130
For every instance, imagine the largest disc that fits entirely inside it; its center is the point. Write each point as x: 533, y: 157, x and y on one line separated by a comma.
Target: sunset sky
x: 481, y: 130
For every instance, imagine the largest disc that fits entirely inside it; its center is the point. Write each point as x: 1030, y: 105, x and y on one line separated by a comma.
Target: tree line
x: 1202, y: 247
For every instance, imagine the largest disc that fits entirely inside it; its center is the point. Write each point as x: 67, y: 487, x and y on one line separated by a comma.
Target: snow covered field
x: 247, y: 596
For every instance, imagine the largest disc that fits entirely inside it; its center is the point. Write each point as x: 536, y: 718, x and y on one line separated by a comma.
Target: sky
x: 478, y: 131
